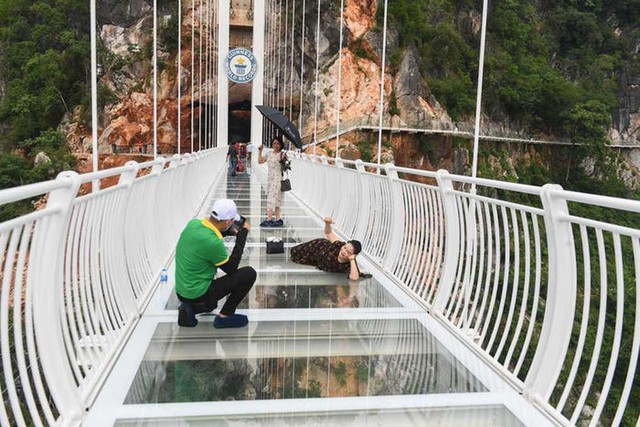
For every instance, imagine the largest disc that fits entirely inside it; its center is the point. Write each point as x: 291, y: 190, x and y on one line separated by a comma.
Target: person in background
x: 329, y: 254
x: 274, y: 178
x: 232, y: 158
x: 249, y: 149
x: 199, y: 254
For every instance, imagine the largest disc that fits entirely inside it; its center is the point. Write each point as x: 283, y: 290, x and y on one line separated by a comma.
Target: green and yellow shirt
x: 199, y: 253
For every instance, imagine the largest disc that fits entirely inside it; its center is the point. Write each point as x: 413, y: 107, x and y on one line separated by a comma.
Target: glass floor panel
x: 287, y: 234
x: 483, y: 416
x: 316, y: 290
x: 297, y: 359
x: 287, y: 210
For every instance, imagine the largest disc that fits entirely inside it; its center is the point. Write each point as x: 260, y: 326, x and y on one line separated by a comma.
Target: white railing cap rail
x: 106, y: 173
x: 22, y: 192
x: 597, y: 200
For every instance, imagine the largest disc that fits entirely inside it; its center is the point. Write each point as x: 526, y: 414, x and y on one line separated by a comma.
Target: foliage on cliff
x: 542, y: 59
x: 44, y: 64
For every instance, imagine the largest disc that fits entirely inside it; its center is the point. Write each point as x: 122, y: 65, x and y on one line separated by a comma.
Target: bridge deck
x: 319, y: 350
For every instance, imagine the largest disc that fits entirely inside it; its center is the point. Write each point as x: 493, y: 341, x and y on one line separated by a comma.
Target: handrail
x: 528, y: 286
x: 77, y: 275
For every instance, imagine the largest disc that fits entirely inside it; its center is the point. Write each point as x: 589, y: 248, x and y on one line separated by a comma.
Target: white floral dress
x: 274, y: 177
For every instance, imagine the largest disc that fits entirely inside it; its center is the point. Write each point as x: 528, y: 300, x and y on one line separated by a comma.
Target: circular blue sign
x: 241, y: 65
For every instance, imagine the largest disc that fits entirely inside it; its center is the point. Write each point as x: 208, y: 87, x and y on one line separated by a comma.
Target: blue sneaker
x: 278, y: 223
x: 186, y: 315
x: 233, y: 321
x: 266, y: 223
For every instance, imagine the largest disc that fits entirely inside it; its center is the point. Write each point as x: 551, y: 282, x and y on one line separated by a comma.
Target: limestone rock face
x: 122, y: 13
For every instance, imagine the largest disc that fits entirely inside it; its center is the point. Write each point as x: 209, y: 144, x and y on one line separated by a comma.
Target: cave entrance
x: 240, y: 121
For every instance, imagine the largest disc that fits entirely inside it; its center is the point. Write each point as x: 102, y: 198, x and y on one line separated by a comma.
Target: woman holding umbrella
x: 274, y: 178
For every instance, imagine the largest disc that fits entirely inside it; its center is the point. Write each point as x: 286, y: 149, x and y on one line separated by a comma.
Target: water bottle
x: 164, y: 276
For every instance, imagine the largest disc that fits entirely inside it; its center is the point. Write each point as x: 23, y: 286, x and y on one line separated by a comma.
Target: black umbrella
x: 284, y: 124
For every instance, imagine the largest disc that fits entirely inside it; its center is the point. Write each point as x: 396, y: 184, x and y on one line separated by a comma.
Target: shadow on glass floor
x: 315, y: 290
x: 297, y: 359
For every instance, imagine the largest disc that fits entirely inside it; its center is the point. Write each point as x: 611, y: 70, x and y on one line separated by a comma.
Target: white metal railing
x: 543, y: 283
x: 77, y: 274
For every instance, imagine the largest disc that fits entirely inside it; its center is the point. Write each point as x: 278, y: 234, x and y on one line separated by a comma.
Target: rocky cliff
x: 126, y: 120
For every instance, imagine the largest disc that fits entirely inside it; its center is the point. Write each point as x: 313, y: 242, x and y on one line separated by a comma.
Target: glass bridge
x: 319, y: 350
x: 490, y: 303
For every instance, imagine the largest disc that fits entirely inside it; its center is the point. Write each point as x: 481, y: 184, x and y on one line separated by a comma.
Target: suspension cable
x: 207, y: 76
x: 155, y: 79
x: 339, y: 95
x: 193, y: 56
x: 179, y: 71
x: 382, y: 76
x: 279, y: 63
x: 304, y: 9
x: 476, y: 131
x: 214, y: 79
x: 293, y: 31
x: 200, y: 77
x: 286, y: 50
x: 315, y: 114
x: 95, y: 185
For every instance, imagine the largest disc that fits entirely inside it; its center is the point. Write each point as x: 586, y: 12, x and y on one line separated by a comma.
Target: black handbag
x: 285, y: 185
x: 275, y: 246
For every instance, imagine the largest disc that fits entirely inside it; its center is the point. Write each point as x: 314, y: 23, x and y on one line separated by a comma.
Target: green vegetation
x: 366, y: 147
x: 357, y: 47
x: 541, y: 60
x: 44, y: 65
x: 44, y: 68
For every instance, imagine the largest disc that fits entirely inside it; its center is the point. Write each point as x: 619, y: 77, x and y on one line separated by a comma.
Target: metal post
x: 48, y: 247
x: 557, y: 324
x: 397, y: 219
x: 452, y: 250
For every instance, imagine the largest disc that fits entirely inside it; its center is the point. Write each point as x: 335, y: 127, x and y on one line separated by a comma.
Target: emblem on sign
x: 241, y: 65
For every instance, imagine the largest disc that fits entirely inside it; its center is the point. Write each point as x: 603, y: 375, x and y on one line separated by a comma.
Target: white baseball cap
x: 225, y: 209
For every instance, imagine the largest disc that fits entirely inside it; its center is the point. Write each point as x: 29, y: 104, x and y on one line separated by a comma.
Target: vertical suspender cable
x: 206, y: 75
x: 293, y: 31
x: 271, y: 89
x: 266, y: 87
x: 304, y: 9
x: 212, y: 40
x: 339, y: 95
x: 286, y: 49
x: 200, y: 109
x: 95, y: 185
x: 214, y: 111
x: 179, y: 71
x: 193, y: 56
x: 476, y: 130
x: 155, y: 78
x: 315, y: 111
x: 382, y: 75
x: 210, y: 37
x: 278, y: 42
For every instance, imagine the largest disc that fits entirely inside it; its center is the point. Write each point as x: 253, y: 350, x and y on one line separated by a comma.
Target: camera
x: 235, y: 227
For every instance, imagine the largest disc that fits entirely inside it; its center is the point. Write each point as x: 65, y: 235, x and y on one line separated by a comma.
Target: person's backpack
x: 240, y: 167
